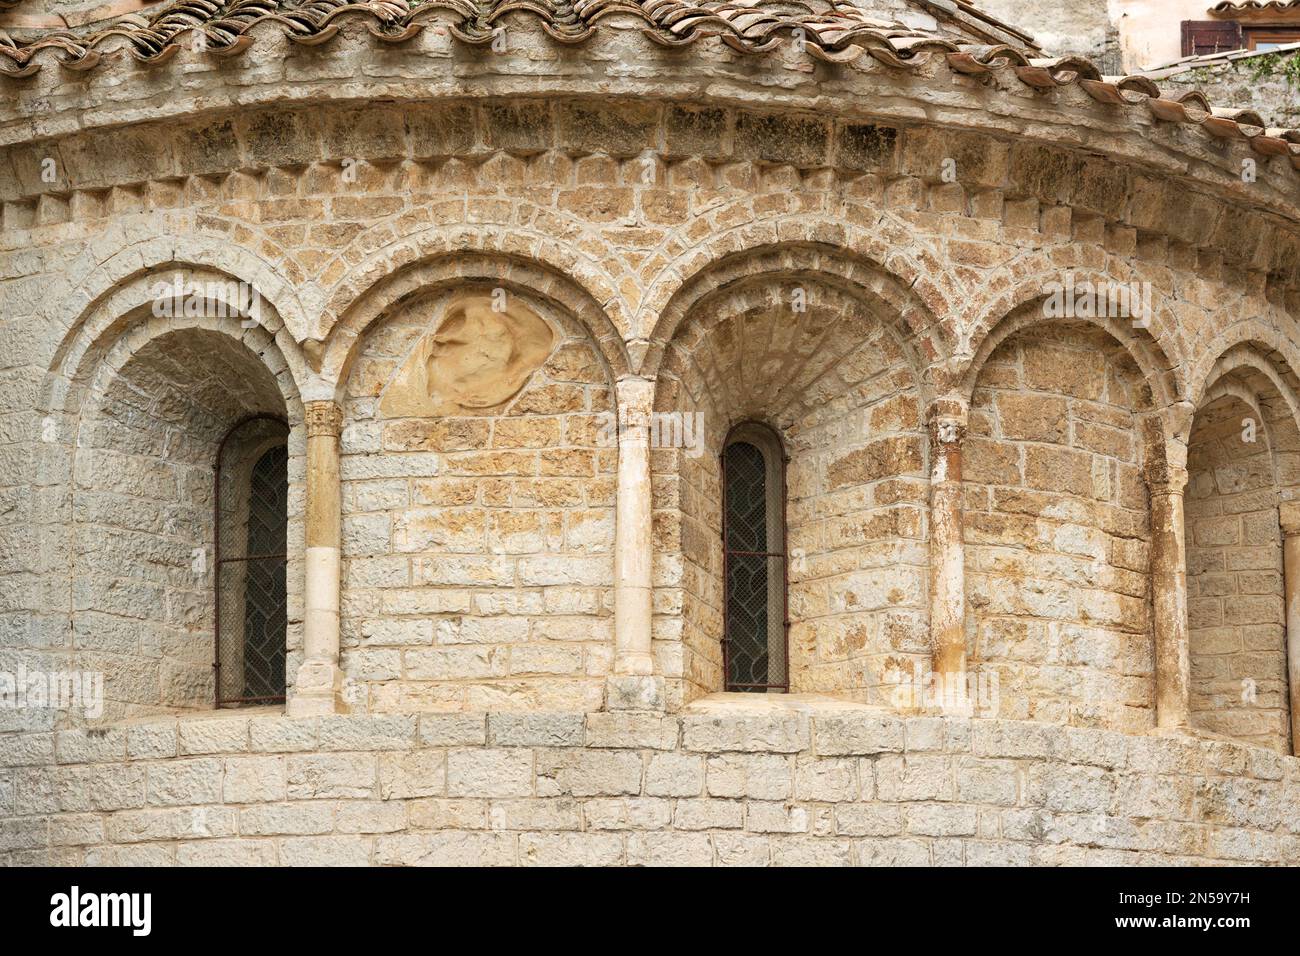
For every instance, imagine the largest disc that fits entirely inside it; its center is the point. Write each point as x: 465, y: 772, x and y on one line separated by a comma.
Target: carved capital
x: 323, y: 419
x: 947, y: 418
x: 1165, y: 479
x: 636, y: 398
x: 1288, y: 513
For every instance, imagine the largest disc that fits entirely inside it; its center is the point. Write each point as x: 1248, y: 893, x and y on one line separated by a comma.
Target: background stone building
x: 640, y: 433
x: 1243, y: 54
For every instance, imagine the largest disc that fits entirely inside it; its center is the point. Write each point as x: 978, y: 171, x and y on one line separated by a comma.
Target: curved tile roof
x: 1249, y: 6
x: 830, y: 27
x: 836, y: 31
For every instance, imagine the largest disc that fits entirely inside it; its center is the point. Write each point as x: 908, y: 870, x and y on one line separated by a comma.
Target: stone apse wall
x: 505, y: 614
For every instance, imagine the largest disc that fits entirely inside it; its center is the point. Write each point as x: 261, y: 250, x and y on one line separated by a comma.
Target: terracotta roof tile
x: 1252, y: 5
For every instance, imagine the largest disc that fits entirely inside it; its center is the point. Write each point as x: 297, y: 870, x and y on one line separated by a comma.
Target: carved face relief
x: 476, y: 359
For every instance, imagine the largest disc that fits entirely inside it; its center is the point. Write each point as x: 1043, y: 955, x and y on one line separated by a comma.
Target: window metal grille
x: 755, y: 619
x: 252, y: 492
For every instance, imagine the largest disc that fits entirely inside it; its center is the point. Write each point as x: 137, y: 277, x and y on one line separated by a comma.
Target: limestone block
x: 254, y: 780
x: 570, y: 849
x: 674, y: 775
x: 359, y: 732
x: 215, y: 736
x: 868, y: 819
x: 768, y: 817
x: 914, y: 778
x: 937, y: 819
x: 370, y: 816
x: 739, y: 849
x: 227, y: 853
x: 892, y: 851
x: 535, y: 730
x: 185, y: 782
x: 588, y: 773
x: 781, y: 733
x: 324, y: 851
x: 417, y: 773
x: 280, y: 734
x: 669, y: 849
x: 632, y: 813
x: 756, y: 776
x: 857, y: 734
x: 806, y: 851
x: 625, y: 729
x: 147, y: 741
x: 315, y: 776
x: 708, y: 814
x: 828, y: 780
x: 288, y: 819
x: 141, y: 826
x: 452, y: 730
x: 489, y: 773
x: 445, y: 849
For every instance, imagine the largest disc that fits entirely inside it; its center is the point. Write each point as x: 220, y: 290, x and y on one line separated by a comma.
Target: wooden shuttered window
x: 1211, y: 36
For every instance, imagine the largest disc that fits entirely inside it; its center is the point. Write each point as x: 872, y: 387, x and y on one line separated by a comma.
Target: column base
x: 635, y: 692
x: 317, y: 691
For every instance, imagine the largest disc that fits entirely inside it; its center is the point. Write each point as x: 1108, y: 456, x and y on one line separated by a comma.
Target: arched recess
x: 892, y: 294
x: 478, y: 502
x: 383, y: 263
x: 1027, y: 305
x: 1135, y: 312
x: 1243, y: 463
x: 142, y: 390
x: 829, y: 364
x: 1067, y: 419
x: 1263, y: 335
x: 107, y: 290
x: 466, y: 267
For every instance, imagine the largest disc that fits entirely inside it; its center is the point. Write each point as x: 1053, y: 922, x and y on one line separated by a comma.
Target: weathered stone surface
x: 472, y: 309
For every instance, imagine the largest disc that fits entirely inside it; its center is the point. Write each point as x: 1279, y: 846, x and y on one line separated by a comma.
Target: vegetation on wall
x: 1285, y: 65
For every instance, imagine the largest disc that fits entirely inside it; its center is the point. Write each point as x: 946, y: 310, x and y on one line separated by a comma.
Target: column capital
x: 947, y: 432
x: 1288, y: 513
x: 323, y: 418
x: 636, y: 398
x: 1165, y: 479
x: 947, y: 419
x: 949, y: 408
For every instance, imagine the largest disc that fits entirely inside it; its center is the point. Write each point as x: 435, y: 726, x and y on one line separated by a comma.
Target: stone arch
x: 1068, y: 422
x: 857, y: 268
x: 840, y: 383
x: 1243, y: 467
x: 156, y: 258
x: 1265, y: 342
x: 1022, y: 306
x: 135, y: 404
x: 382, y: 253
x: 448, y: 269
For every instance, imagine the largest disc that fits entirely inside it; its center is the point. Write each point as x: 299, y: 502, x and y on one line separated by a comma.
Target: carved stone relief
x: 479, y: 357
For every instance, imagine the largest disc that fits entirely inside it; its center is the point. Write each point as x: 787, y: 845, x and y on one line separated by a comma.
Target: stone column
x: 1169, y: 593
x: 947, y: 421
x: 319, y: 684
x: 1289, y: 512
x: 633, y: 685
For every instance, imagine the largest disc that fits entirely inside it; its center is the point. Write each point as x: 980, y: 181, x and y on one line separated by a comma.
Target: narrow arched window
x: 252, y: 505
x: 755, y: 624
